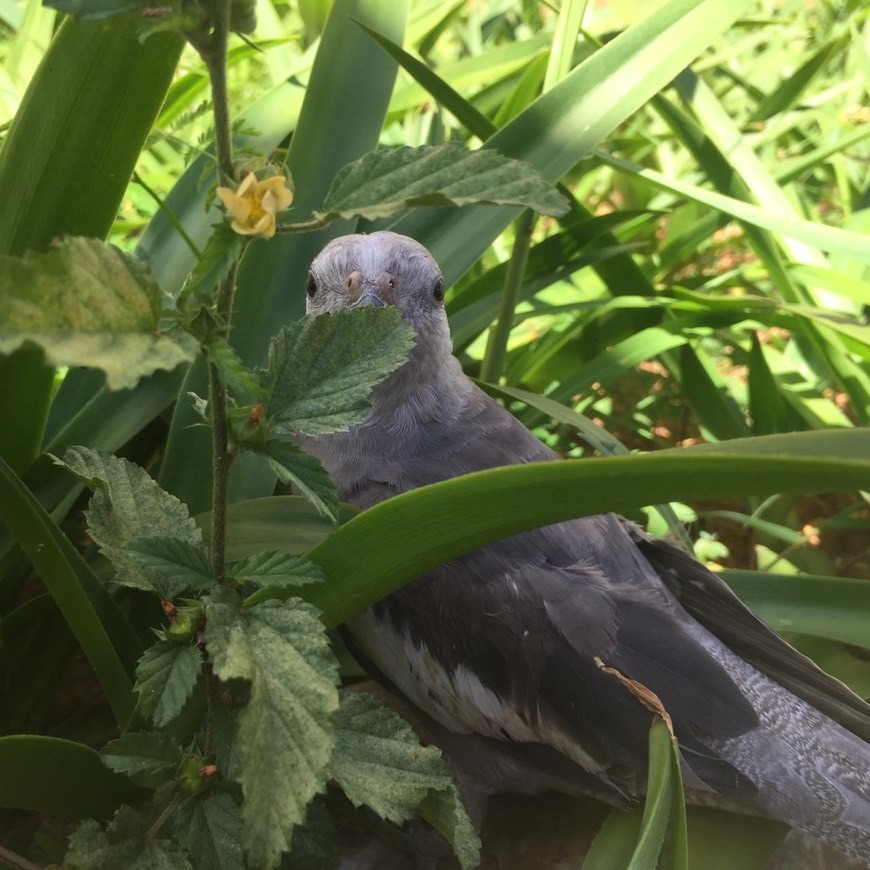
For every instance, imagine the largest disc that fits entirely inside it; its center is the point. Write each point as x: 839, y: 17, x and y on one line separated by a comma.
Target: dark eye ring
x: 311, y: 286
x: 438, y: 290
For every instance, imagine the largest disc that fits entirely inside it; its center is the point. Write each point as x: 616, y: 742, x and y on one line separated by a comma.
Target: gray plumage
x: 498, y: 646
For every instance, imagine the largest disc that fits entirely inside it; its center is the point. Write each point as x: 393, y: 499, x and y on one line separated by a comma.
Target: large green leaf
x: 447, y: 519
x: 94, y: 77
x: 385, y: 182
x: 97, y: 622
x: 59, y: 778
x: 85, y: 303
x: 285, y: 734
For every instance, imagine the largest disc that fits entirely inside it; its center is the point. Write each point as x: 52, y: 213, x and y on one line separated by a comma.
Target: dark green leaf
x: 59, y: 778
x: 124, y: 845
x: 322, y: 369
x: 165, y: 678
x: 379, y: 762
x: 300, y: 469
x: 313, y: 846
x: 86, y: 303
x: 276, y: 569
x: 224, y: 247
x: 284, y: 522
x: 234, y: 372
x: 286, y: 734
x: 148, y: 758
x: 127, y: 500
x: 387, y: 181
x: 94, y: 10
x: 172, y: 566
x: 209, y: 826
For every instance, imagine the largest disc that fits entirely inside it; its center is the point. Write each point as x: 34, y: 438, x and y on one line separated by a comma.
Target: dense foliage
x: 168, y: 691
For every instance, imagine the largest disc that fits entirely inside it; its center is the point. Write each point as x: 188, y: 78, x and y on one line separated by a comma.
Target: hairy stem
x: 214, y: 55
x: 496, y: 344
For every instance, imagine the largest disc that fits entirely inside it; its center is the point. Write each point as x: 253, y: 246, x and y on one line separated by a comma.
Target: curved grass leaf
x: 99, y: 625
x: 59, y: 778
x: 834, y: 607
x: 447, y: 519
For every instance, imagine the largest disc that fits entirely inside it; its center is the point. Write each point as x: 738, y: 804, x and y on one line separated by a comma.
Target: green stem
x: 176, y: 223
x: 496, y: 344
x: 214, y: 55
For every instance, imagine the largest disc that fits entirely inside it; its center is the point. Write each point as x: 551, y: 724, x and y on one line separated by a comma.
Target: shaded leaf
x: 379, y: 762
x: 94, y: 10
x: 234, y: 372
x: 165, y: 678
x: 125, y: 501
x: 285, y: 733
x: 92, y: 848
x: 148, y: 758
x: 172, y: 566
x: 86, y: 303
x: 209, y: 826
x: 322, y: 369
x: 313, y: 846
x: 304, y: 471
x: 224, y: 247
x: 277, y: 569
x: 387, y: 181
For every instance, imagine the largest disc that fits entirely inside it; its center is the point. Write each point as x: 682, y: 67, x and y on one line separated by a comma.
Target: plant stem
x: 496, y: 344
x: 222, y: 456
x: 214, y: 55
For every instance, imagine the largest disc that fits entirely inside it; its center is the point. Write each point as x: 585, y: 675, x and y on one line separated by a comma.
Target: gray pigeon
x: 499, y: 647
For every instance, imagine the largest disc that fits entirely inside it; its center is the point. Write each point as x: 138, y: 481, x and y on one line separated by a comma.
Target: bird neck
x: 410, y: 410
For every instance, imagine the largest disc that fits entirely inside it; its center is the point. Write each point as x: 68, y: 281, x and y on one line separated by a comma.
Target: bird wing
x: 710, y: 601
x: 548, y: 603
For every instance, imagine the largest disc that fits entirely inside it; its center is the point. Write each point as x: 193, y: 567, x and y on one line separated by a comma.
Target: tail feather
x: 810, y: 772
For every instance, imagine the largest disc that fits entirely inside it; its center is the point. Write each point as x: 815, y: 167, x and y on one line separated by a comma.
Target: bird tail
x: 810, y: 772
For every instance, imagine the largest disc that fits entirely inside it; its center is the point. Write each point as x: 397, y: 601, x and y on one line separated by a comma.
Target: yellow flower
x: 254, y: 205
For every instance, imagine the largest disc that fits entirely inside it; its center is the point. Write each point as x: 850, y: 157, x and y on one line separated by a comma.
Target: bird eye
x: 311, y: 286
x: 438, y: 290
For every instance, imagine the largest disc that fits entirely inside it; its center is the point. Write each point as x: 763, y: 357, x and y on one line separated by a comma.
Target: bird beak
x: 369, y: 297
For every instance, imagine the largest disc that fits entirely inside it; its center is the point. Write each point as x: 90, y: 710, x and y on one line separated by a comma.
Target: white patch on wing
x: 458, y: 700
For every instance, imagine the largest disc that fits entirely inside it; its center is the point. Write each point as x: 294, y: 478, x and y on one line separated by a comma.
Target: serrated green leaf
x: 209, y: 826
x: 286, y: 734
x: 313, y: 846
x: 384, y: 182
x: 276, y: 569
x: 125, y: 501
x: 304, y: 471
x: 444, y: 810
x: 322, y: 369
x: 233, y: 371
x: 86, y: 303
x: 224, y: 247
x: 91, y: 848
x: 379, y: 762
x: 165, y: 677
x: 147, y: 757
x: 172, y: 566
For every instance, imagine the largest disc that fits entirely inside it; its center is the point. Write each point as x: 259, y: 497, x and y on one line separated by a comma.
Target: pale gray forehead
x: 378, y: 252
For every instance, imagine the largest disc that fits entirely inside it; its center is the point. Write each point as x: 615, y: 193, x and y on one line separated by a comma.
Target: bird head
x: 380, y: 269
